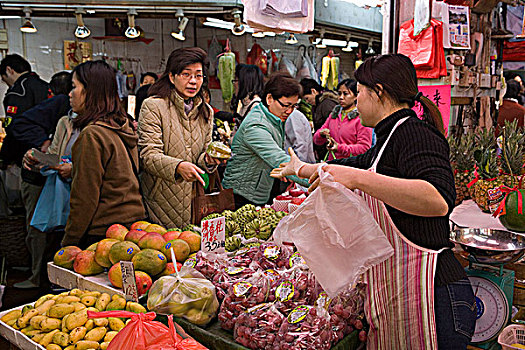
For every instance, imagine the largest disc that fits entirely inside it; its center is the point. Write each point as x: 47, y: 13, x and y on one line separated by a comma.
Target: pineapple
x: 512, y: 154
x: 487, y: 162
x: 462, y: 162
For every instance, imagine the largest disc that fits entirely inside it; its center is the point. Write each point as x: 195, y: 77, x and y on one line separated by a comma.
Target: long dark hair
x: 102, y: 101
x: 397, y: 75
x: 251, y: 81
x: 178, y: 60
x: 281, y: 84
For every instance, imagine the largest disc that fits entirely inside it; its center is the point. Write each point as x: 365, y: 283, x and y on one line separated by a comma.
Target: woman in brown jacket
x: 175, y: 129
x: 105, y: 186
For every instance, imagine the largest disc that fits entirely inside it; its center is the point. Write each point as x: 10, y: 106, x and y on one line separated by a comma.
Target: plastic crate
x: 513, y: 334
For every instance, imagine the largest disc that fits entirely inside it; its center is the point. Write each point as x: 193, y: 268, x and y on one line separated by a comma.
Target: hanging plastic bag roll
x: 336, y: 234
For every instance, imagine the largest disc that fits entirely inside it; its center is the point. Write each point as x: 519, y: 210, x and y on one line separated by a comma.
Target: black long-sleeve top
x: 417, y: 150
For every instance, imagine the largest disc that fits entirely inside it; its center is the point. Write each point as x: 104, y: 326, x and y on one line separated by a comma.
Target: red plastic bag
x: 425, y: 50
x: 142, y: 333
x: 258, y: 57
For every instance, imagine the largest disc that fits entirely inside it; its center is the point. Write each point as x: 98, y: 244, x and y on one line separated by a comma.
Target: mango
x: 117, y: 232
x: 152, y: 240
x: 61, y: 338
x: 86, y: 265
x: 50, y: 324
x: 193, y: 240
x: 115, y: 324
x: 102, y: 252
x: 103, y: 301
x: 96, y: 334
x: 60, y: 310
x: 122, y: 251
x: 180, y: 247
x: 65, y: 257
x: 150, y: 261
x: 77, y: 334
x: 134, y: 236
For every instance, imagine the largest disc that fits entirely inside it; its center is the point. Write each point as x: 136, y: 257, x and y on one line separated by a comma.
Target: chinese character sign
x: 440, y: 95
x: 213, y: 235
x: 129, y: 284
x: 76, y: 52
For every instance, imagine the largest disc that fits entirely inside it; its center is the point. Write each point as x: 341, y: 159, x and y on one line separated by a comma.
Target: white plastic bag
x: 336, y: 234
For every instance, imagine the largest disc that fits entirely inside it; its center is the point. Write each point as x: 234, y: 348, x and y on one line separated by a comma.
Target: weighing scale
x: 487, y: 251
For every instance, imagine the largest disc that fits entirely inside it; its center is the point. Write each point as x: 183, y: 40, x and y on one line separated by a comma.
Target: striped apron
x: 399, y: 302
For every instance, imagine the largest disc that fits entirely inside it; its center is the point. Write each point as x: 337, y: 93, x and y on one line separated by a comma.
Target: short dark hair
x: 178, y: 60
x: 396, y: 75
x: 513, y: 89
x: 60, y: 83
x: 281, y: 84
x: 308, y: 84
x: 102, y: 100
x: 350, y: 84
x: 16, y: 62
x: 148, y: 74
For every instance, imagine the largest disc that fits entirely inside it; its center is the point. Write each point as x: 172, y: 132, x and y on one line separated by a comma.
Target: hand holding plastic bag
x: 336, y: 234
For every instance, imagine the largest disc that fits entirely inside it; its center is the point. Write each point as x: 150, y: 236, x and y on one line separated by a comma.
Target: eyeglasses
x: 188, y: 76
x: 287, y: 107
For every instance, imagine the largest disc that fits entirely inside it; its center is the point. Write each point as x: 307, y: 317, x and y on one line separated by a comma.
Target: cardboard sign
x: 129, y: 285
x: 213, y: 235
x: 440, y: 95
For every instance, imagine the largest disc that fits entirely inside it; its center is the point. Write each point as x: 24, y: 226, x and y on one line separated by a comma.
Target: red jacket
x: 509, y: 111
x: 352, y: 137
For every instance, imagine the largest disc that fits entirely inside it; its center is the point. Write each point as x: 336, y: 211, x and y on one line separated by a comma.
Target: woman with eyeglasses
x: 175, y: 129
x: 258, y: 145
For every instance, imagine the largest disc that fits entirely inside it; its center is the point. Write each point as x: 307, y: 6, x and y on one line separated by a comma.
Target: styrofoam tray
x: 70, y: 279
x: 16, y: 337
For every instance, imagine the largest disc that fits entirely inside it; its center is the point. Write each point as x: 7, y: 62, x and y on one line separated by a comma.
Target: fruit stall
x: 255, y: 294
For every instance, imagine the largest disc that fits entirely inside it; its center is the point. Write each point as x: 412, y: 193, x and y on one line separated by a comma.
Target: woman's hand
x: 324, y: 132
x: 332, y: 146
x: 347, y: 176
x: 29, y: 162
x: 209, y: 160
x: 64, y: 170
x: 289, y: 168
x: 190, y: 172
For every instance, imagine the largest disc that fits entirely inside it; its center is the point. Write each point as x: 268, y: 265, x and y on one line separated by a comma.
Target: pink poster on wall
x: 440, y: 95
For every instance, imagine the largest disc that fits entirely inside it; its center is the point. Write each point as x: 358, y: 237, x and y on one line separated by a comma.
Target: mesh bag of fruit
x: 295, y: 287
x: 241, y: 296
x: 186, y: 294
x: 305, y: 327
x: 256, y: 328
x: 228, y: 276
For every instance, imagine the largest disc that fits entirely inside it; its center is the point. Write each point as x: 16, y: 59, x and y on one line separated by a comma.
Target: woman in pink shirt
x: 342, y: 131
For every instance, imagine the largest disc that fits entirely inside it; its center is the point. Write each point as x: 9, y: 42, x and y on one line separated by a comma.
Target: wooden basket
x: 13, y: 238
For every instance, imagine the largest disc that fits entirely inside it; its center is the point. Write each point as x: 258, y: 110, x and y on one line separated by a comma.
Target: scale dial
x: 492, y: 309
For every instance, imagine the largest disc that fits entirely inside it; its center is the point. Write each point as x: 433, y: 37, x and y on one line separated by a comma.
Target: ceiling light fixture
x: 321, y: 44
x: 132, y: 32
x: 292, y: 40
x: 82, y: 31
x: 258, y: 35
x: 183, y: 22
x: 28, y: 26
x: 348, y: 47
x: 238, y: 28
x: 370, y: 50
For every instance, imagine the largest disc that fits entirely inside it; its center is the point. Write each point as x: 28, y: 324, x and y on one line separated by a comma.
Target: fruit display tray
x: 15, y: 337
x: 70, y: 279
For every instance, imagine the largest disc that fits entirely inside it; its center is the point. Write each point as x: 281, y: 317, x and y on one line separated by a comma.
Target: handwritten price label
x: 213, y: 235
x: 129, y: 285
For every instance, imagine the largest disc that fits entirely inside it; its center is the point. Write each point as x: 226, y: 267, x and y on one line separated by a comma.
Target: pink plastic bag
x: 336, y: 234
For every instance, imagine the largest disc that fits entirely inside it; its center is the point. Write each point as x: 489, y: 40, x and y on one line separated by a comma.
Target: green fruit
x: 150, y: 261
x: 232, y: 243
x: 512, y: 220
x: 123, y: 251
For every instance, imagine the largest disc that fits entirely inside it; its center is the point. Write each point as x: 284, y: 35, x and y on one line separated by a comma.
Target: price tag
x: 129, y: 284
x: 213, y: 235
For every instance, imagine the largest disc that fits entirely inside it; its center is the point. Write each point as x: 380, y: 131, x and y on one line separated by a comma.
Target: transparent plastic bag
x: 305, y: 327
x: 257, y: 327
x: 336, y: 234
x: 186, y: 294
x: 241, y: 296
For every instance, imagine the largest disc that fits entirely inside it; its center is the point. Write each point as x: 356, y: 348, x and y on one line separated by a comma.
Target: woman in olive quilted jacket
x: 175, y: 129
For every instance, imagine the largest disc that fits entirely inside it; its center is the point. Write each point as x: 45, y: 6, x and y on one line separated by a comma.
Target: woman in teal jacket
x: 258, y: 145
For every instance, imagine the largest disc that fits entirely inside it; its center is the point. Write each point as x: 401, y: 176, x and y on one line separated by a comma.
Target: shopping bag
x: 142, y: 333
x: 336, y: 234
x: 52, y: 208
x: 215, y: 202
